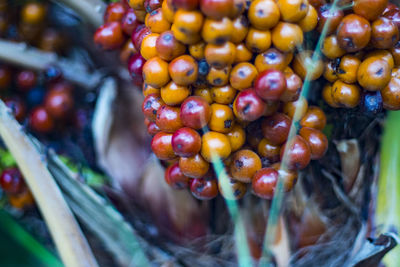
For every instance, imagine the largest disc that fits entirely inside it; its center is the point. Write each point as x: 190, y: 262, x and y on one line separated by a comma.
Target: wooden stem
x: 68, y: 238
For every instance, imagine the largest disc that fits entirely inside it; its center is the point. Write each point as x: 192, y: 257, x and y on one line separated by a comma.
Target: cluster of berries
x: 363, y: 54
x: 13, y: 185
x: 222, y: 81
x: 43, y: 100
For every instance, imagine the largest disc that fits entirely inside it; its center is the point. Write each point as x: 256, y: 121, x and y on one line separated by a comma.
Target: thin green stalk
x: 276, y: 205
x: 387, y: 210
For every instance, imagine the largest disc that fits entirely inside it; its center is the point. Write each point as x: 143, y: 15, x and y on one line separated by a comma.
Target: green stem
x: 387, y: 210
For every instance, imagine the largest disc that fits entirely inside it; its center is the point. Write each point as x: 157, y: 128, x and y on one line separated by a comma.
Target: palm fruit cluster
x: 362, y: 49
x: 222, y: 81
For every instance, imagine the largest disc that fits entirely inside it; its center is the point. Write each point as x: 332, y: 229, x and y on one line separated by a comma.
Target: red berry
x: 135, y: 68
x: 248, y: 106
x: 150, y: 106
x: 41, y: 121
x: 168, y: 119
x: 138, y: 35
x: 205, y: 188
x: 114, y: 12
x: 298, y: 154
x: 26, y: 80
x: 162, y: 147
x: 195, y: 112
x: 186, y: 142
x: 270, y: 84
x: 264, y: 183
x: 129, y: 22
x: 59, y: 103
x: 175, y: 178
x: 276, y: 128
x: 109, y: 36
x: 11, y: 181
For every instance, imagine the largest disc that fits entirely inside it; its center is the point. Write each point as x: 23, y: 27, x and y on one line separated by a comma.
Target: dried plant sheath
x: 27, y: 57
x: 71, y: 244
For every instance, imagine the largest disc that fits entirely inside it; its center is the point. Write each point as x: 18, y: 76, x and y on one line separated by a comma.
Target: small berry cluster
x: 363, y: 52
x: 29, y: 25
x: 46, y: 110
x: 12, y: 183
x: 222, y: 81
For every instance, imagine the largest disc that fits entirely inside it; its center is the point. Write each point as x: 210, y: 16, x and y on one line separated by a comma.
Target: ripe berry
x: 183, y: 70
x: 345, y: 95
x: 245, y: 163
x: 268, y: 150
x: 215, y: 146
x: 114, y: 12
x: 11, y: 181
x: 237, y: 137
x: 369, y: 9
x: 168, y: 47
x: 204, y: 188
x: 195, y: 112
x: 168, y: 119
x: 135, y: 67
x: 293, y: 11
x: 263, y: 14
x: 373, y: 74
x: 26, y: 80
x: 328, y: 13
x: 270, y: 84
x: 298, y: 153
x: 316, y: 140
x: 109, y: 36
x: 138, y: 35
x: 41, y: 121
x: 194, y: 167
x: 314, y: 118
x: 222, y: 118
x: 354, y: 33
x: 150, y: 106
x: 248, y: 106
x: 264, y: 183
x: 276, y: 128
x: 186, y: 142
x: 155, y: 72
x: 385, y: 33
x: 162, y: 147
x: 175, y: 178
x: 59, y: 103
x: 129, y: 22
